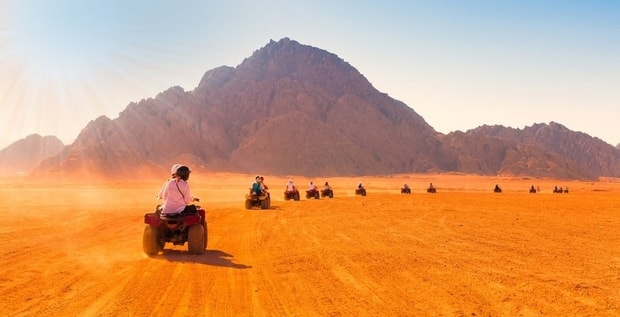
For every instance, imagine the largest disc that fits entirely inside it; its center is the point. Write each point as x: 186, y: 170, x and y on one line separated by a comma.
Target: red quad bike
x: 288, y: 195
x: 190, y: 227
x: 405, y: 190
x: 360, y: 191
x: 327, y: 193
x: 312, y: 193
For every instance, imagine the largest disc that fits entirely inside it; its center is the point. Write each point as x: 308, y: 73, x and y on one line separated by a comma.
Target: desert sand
x: 76, y: 250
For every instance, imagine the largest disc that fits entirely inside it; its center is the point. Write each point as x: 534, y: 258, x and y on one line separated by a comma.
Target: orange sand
x: 77, y: 250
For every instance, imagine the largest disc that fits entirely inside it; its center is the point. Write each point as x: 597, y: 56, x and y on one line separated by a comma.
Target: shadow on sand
x: 208, y: 257
x: 270, y: 208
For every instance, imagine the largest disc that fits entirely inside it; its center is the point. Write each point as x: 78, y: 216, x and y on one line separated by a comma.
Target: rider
x: 290, y: 187
x: 312, y: 186
x: 263, y: 185
x: 175, y: 191
x: 326, y: 186
x: 256, y: 188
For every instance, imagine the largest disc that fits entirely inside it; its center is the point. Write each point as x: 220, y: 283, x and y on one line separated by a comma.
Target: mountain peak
x: 287, y: 58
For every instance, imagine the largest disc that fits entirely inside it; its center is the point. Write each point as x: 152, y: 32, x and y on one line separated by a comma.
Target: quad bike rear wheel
x: 150, y: 240
x: 206, y: 239
x: 196, y: 239
x: 265, y: 203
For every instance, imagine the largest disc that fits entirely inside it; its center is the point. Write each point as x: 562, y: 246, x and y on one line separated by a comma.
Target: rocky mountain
x: 293, y: 109
x: 287, y: 109
x: 590, y: 155
x: 24, y: 155
x: 549, y: 150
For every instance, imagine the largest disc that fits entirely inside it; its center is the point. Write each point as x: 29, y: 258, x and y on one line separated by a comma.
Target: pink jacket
x: 175, y: 193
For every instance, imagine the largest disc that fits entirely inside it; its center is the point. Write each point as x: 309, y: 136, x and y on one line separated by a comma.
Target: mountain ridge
x: 293, y: 109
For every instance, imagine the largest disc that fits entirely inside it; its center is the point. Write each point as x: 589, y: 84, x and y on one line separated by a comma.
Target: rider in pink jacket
x: 175, y: 191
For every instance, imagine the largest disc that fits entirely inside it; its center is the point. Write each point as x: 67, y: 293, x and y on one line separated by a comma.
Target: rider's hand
x: 196, y: 199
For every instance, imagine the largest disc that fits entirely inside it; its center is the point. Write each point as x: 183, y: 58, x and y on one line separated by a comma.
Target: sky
x: 459, y: 64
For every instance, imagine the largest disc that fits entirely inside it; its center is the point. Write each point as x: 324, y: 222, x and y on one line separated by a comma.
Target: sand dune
x: 465, y: 251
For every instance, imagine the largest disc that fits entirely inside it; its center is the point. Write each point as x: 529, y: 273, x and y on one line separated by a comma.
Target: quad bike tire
x: 296, y: 198
x: 150, y: 240
x: 206, y: 240
x: 196, y: 239
x: 265, y: 203
x: 331, y: 194
x: 248, y: 204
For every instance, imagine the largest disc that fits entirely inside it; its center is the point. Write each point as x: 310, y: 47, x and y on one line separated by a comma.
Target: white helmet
x: 174, y: 168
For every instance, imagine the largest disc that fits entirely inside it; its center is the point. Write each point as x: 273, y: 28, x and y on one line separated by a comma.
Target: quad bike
x: 288, y: 195
x: 327, y: 193
x: 405, y: 190
x: 360, y: 191
x: 559, y: 190
x: 262, y: 201
x: 431, y: 190
x: 178, y: 228
x: 312, y: 193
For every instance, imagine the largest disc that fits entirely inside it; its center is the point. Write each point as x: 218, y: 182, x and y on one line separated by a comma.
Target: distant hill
x: 293, y: 109
x: 24, y: 155
x: 549, y: 150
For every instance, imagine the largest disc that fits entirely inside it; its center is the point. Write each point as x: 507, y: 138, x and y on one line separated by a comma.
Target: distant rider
x: 312, y: 186
x: 290, y: 187
x: 326, y: 186
x: 263, y: 186
x: 256, y: 188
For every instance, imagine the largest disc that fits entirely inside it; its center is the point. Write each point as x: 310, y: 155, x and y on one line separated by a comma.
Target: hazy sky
x: 459, y: 64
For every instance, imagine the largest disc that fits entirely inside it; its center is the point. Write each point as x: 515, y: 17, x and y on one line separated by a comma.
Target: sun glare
x: 79, y: 60
x: 47, y: 58
x: 56, y: 60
